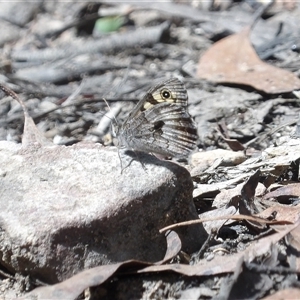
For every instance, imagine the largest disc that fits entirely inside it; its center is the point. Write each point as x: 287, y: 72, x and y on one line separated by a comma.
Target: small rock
x: 203, y: 160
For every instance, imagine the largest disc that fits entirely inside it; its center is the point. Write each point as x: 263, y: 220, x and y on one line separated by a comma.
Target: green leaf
x: 109, y: 24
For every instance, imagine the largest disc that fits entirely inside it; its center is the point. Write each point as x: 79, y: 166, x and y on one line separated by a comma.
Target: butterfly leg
x: 121, y: 163
x: 138, y: 158
x: 132, y: 159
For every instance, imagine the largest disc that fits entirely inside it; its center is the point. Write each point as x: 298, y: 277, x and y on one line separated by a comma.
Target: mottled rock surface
x: 65, y: 209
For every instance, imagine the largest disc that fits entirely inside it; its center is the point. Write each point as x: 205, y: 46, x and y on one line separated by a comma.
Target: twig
x: 196, y: 257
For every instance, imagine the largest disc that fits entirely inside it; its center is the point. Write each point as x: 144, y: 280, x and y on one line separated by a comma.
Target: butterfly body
x: 160, y: 123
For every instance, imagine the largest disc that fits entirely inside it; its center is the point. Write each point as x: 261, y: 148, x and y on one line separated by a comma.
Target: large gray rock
x: 65, y: 209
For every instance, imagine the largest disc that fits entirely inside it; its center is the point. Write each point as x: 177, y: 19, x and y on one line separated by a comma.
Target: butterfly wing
x: 170, y: 91
x: 160, y: 123
x: 165, y: 129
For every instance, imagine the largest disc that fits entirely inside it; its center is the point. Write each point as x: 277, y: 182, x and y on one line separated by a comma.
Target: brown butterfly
x: 160, y: 123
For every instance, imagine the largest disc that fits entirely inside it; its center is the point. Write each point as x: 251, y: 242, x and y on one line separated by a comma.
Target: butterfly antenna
x: 115, y: 120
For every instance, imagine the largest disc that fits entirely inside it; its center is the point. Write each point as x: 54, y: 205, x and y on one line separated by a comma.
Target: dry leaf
x: 282, y: 213
x: 291, y: 293
x: 285, y: 192
x: 31, y: 135
x: 293, y: 240
x: 225, y: 264
x: 234, y: 60
x: 215, y: 225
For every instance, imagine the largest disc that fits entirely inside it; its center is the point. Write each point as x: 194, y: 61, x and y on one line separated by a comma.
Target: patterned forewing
x: 160, y: 123
x: 164, y: 129
x: 170, y: 91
